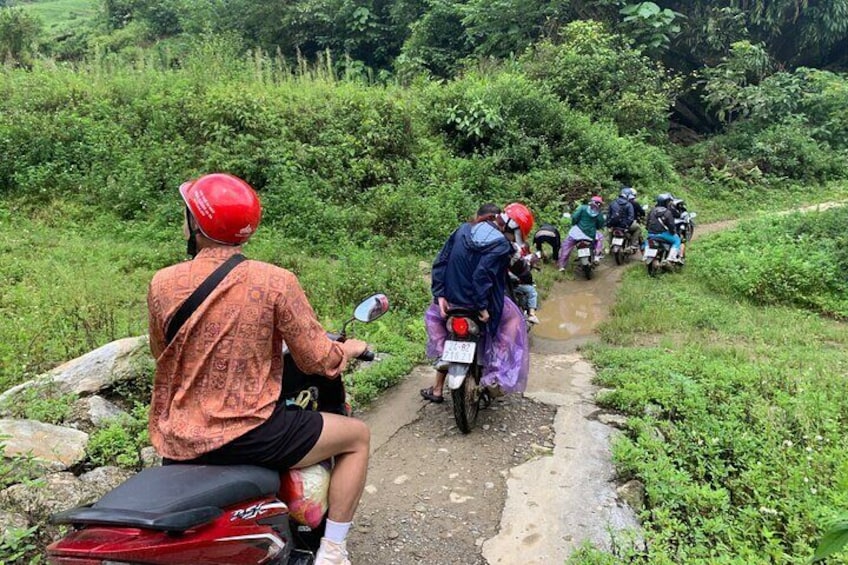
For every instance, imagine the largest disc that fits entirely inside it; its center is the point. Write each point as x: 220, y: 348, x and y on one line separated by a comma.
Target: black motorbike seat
x: 175, y: 498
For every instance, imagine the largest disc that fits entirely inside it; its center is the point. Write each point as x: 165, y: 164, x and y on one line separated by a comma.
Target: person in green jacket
x: 586, y: 223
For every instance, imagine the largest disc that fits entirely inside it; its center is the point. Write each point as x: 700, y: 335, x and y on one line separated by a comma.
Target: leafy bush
x: 598, y: 73
x: 120, y: 443
x: 799, y: 260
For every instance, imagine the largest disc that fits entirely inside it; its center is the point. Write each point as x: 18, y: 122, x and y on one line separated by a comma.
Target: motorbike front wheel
x: 466, y: 400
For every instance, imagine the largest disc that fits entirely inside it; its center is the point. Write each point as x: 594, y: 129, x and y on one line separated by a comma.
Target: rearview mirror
x: 372, y: 308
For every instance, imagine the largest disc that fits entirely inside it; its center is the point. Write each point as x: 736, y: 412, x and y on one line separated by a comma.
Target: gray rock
x: 114, y: 362
x: 615, y: 420
x: 53, y: 493
x: 55, y: 447
x: 103, y: 479
x: 93, y: 412
x: 10, y: 521
x: 149, y: 457
x: 633, y: 493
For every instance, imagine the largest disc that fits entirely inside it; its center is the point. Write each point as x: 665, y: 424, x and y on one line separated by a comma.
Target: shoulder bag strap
x: 188, y: 307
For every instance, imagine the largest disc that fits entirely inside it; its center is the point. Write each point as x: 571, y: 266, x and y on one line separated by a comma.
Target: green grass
x: 738, y: 419
x: 56, y: 14
x: 73, y: 279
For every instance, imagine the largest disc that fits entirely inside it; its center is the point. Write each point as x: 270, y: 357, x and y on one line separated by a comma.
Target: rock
x: 53, y: 493
x: 401, y: 479
x: 541, y: 449
x: 11, y: 521
x: 94, y: 412
x: 55, y: 447
x: 103, y: 479
x: 114, y: 362
x: 633, y: 493
x: 615, y: 420
x: 149, y: 457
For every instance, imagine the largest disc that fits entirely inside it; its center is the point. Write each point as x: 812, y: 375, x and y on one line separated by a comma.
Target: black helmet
x: 664, y: 198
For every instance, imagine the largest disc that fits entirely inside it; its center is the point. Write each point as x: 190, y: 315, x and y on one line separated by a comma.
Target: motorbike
x: 215, y: 514
x: 463, y: 352
x: 620, y: 245
x: 586, y: 256
x: 656, y: 257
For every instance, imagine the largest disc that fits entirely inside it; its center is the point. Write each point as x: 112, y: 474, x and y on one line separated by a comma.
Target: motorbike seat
x: 175, y: 498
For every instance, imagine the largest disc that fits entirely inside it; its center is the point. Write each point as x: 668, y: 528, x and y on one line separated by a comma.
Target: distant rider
x: 586, y: 221
x: 622, y: 215
x: 662, y: 226
x: 548, y: 234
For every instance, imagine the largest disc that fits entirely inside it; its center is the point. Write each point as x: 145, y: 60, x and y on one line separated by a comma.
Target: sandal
x: 427, y: 393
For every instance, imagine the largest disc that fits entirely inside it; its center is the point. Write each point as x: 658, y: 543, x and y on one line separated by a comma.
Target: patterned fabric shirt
x: 222, y: 374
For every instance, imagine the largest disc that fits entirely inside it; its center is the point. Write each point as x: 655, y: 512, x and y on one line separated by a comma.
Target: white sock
x: 336, y: 531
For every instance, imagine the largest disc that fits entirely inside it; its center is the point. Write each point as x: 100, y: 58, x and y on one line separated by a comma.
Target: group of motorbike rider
x: 625, y: 212
x: 217, y: 383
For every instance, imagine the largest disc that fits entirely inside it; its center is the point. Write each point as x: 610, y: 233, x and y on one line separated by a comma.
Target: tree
x: 19, y: 33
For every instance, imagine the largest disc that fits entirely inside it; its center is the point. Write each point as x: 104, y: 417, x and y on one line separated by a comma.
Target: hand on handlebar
x: 354, y: 348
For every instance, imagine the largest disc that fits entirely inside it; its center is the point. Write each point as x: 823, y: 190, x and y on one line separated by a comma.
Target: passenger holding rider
x: 661, y: 225
x: 622, y: 215
x: 586, y: 221
x: 470, y: 272
x: 217, y: 384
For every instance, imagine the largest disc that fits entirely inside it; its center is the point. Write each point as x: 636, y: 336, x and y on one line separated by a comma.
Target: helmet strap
x: 191, y: 242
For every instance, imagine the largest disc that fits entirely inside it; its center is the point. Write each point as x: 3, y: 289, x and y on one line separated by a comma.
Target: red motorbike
x: 210, y: 514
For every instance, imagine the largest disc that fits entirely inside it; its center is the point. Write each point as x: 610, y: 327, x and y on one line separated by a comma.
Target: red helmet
x: 597, y: 200
x: 226, y: 208
x: 520, y: 217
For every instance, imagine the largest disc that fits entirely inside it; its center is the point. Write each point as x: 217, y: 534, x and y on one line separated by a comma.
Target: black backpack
x: 615, y: 213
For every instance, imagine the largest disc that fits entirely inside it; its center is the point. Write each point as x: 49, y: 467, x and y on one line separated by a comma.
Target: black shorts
x: 278, y: 443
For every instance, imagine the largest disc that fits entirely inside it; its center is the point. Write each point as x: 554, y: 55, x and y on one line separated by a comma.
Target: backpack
x: 615, y: 214
x: 655, y: 220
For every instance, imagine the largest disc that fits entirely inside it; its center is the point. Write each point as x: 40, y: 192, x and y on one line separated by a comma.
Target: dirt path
x: 528, y: 485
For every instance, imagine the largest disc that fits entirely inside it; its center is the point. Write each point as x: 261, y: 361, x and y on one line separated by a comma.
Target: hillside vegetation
x: 371, y: 129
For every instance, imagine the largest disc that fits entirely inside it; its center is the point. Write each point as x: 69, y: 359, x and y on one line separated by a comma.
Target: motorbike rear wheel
x: 466, y: 400
x: 654, y: 267
x: 587, y: 270
x: 618, y: 253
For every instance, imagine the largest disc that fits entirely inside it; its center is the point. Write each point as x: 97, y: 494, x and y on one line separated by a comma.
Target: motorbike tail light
x: 459, y: 326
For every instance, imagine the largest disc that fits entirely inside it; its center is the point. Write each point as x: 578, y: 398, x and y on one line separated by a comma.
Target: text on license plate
x: 458, y: 351
x: 650, y: 253
x: 583, y: 252
x: 618, y: 241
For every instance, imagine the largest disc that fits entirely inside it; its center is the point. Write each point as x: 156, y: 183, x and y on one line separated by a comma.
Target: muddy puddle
x: 572, y: 310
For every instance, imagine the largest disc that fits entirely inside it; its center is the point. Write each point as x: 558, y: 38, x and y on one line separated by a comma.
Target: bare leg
x: 439, y: 384
x: 348, y: 439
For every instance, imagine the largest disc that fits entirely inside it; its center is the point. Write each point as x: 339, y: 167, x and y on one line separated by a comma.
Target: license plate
x: 584, y: 252
x: 618, y: 241
x: 459, y: 351
x: 650, y: 253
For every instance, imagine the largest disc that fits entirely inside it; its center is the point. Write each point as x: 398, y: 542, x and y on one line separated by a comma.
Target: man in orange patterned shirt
x: 216, y: 393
